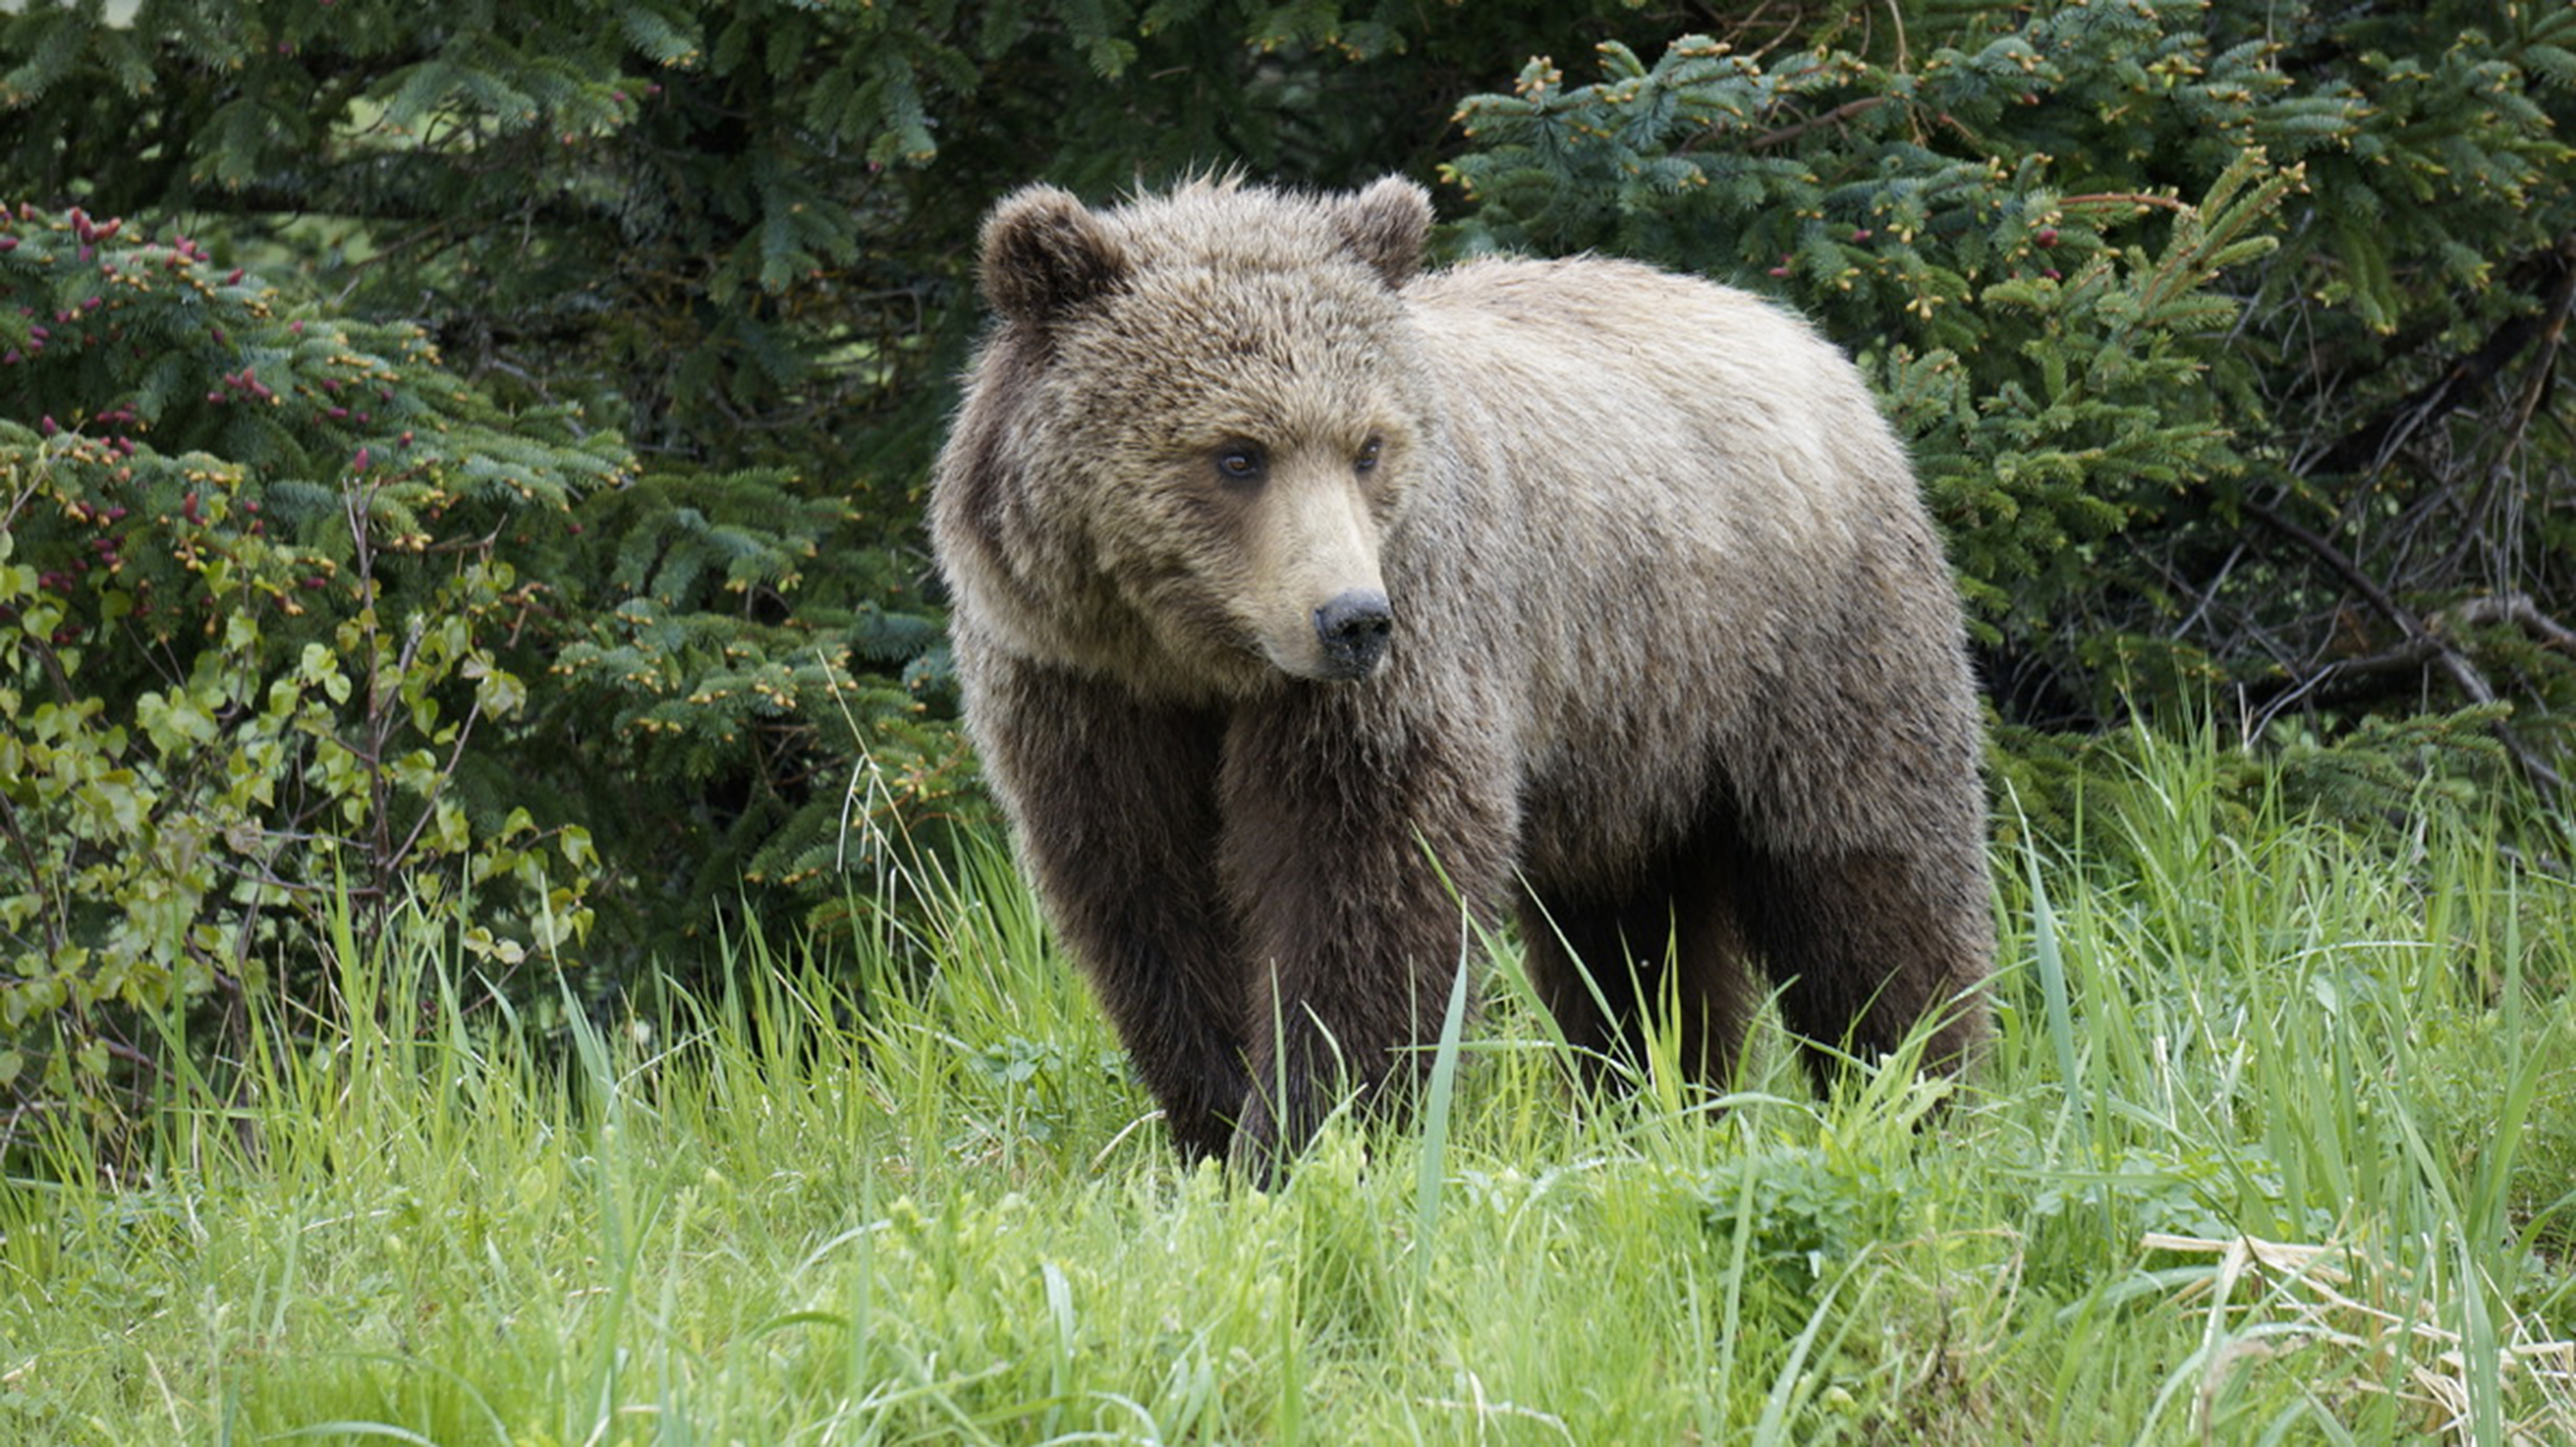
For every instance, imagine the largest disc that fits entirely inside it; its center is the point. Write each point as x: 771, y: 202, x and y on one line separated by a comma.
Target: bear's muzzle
x: 1353, y: 629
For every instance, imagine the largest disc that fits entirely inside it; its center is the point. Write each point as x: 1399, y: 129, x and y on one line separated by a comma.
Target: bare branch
x: 2429, y: 642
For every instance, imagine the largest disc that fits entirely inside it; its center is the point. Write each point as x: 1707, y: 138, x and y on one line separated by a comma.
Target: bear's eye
x: 1367, y: 460
x: 1241, y: 463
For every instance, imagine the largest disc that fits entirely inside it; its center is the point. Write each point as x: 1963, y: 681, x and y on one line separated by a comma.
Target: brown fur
x: 1675, y: 670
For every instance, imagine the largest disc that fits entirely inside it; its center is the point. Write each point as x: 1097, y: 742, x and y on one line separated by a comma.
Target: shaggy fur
x: 1309, y: 606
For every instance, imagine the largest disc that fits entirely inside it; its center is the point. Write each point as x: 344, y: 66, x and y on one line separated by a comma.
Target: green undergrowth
x: 2276, y: 1144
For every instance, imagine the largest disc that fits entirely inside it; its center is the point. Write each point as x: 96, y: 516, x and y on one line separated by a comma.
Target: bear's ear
x: 1386, y: 226
x: 1045, y: 251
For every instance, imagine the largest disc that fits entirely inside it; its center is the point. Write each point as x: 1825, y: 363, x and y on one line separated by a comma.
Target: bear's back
x: 1711, y: 444
x: 1632, y: 445
x: 1682, y: 357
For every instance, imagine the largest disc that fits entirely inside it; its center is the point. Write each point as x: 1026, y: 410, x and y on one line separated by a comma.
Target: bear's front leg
x: 1358, y: 853
x: 1114, y: 805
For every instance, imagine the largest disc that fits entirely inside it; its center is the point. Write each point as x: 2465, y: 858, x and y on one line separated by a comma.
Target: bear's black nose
x: 1353, y: 628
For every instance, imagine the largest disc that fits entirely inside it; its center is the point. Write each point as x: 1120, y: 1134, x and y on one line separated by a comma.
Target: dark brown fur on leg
x: 1356, y: 868
x: 1866, y: 945
x: 1671, y: 940
x: 1122, y: 839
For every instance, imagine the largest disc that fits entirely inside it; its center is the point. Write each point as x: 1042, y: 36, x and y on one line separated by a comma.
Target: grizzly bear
x: 1311, y: 608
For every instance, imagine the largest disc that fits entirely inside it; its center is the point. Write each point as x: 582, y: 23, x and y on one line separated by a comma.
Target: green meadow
x: 2277, y: 1143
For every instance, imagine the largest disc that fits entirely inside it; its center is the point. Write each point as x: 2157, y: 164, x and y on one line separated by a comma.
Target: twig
x: 2125, y: 198
x: 1836, y: 116
x: 2514, y: 608
x: 2511, y: 608
x: 2535, y: 388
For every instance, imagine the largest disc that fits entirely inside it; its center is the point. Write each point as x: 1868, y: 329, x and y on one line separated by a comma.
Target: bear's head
x: 1187, y: 446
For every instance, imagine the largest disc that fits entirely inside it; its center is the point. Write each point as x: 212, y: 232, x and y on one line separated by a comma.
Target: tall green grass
x: 2275, y: 1145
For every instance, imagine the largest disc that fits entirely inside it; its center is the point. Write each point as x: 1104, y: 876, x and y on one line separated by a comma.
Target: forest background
x: 469, y: 458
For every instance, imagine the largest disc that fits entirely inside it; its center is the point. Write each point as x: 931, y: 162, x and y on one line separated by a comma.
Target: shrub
x: 266, y: 606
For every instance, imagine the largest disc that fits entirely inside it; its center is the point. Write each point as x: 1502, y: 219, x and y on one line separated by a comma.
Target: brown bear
x: 1310, y: 606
